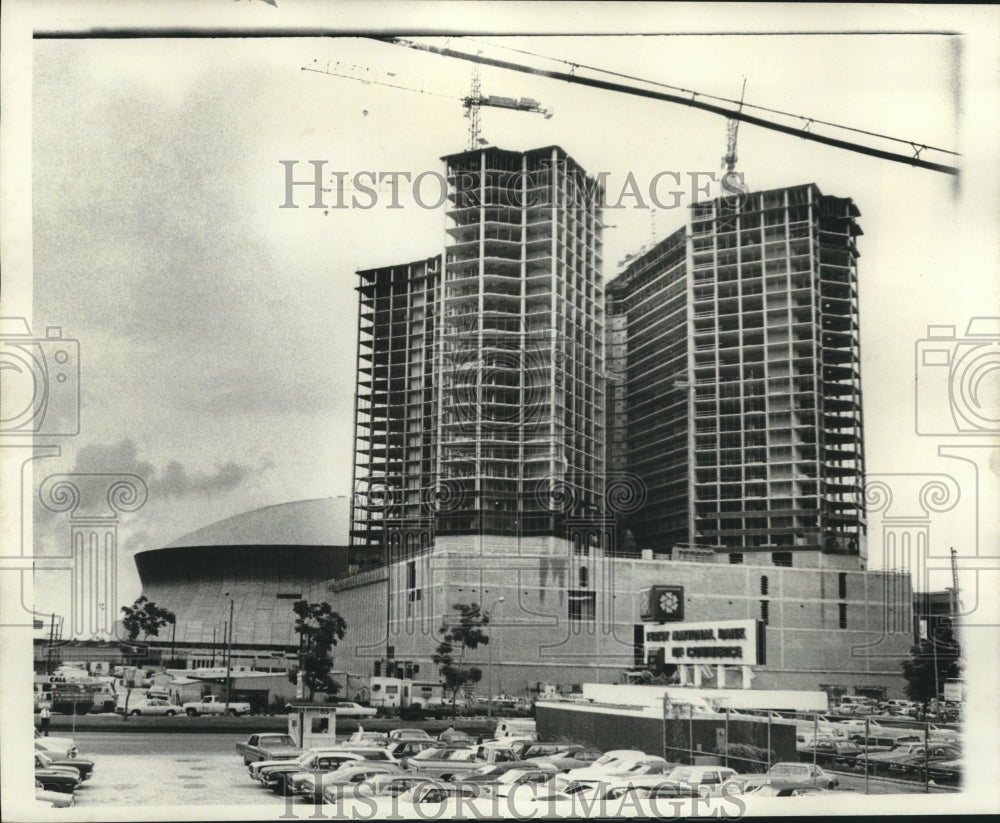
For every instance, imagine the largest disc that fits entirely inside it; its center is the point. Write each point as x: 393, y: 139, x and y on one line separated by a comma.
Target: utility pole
x: 229, y: 657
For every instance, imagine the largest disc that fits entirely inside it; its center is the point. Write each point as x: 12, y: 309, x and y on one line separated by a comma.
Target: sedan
x: 409, y: 734
x: 314, y: 785
x: 55, y: 779
x: 55, y: 746
x: 155, y: 707
x: 914, y: 763
x: 52, y: 800
x: 83, y: 767
x: 832, y: 753
x: 804, y: 773
x: 353, y: 710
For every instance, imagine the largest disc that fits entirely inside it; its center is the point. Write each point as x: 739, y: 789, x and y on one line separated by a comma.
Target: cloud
x: 172, y: 481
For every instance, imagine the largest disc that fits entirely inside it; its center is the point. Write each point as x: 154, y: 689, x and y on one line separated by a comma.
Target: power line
x: 692, y: 102
x: 807, y: 120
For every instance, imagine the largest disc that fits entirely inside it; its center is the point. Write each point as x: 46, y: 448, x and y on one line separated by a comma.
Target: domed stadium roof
x: 321, y: 522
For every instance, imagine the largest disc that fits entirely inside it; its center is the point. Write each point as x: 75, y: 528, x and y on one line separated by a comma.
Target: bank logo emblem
x: 669, y: 603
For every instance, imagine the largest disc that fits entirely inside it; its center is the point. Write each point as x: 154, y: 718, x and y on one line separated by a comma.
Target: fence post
x: 690, y: 733
x: 664, y: 752
x: 867, y: 764
x: 815, y: 735
x: 725, y: 744
x: 927, y: 748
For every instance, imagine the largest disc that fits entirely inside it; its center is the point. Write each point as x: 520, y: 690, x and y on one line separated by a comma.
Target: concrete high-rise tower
x: 735, y: 365
x: 481, y: 397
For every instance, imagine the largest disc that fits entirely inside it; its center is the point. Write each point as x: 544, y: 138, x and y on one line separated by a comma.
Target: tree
x: 146, y: 617
x: 466, y: 634
x: 931, y: 662
x: 319, y: 628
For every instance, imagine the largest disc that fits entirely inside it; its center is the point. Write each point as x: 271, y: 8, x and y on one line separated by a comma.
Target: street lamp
x: 229, y: 655
x: 489, y: 662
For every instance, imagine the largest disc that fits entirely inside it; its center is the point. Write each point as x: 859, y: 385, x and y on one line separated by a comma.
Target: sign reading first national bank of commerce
x: 736, y: 642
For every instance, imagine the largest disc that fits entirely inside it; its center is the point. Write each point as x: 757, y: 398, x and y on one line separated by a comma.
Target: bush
x: 414, y: 712
x: 747, y: 759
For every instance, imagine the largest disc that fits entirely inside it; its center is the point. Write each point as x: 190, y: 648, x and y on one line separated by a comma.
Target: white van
x: 521, y: 728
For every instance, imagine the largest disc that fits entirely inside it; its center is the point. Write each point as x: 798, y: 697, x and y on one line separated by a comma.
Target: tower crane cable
x: 604, y: 85
x: 807, y: 120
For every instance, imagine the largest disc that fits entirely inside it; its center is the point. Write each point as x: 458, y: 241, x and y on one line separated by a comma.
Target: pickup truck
x: 214, y: 705
x: 268, y: 746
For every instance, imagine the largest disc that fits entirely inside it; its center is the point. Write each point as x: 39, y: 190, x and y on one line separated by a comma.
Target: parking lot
x: 168, y: 769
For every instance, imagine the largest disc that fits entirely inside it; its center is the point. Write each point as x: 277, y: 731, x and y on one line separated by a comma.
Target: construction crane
x: 476, y: 100
x: 732, y: 132
x: 472, y: 103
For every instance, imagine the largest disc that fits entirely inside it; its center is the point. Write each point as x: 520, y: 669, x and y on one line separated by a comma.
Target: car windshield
x: 430, y: 754
x: 461, y: 755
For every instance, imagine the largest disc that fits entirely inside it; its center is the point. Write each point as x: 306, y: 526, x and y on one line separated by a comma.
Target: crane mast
x: 732, y: 132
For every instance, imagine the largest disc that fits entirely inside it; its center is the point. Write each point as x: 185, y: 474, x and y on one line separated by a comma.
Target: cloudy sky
x: 217, y: 330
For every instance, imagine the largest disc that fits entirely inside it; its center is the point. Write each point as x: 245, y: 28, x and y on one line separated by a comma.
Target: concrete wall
x: 533, y: 640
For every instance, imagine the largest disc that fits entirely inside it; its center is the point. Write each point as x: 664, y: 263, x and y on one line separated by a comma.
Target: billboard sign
x: 733, y: 642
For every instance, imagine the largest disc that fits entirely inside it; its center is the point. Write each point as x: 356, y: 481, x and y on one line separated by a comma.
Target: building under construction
x: 734, y: 357
x: 480, y: 381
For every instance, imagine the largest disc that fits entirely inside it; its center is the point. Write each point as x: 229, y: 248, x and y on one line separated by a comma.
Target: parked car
x: 703, y: 778
x: 268, y: 746
x: 215, y: 705
x: 390, y: 784
x: 453, y: 736
x: 345, y: 709
x: 55, y: 779
x: 804, y: 773
x: 491, y: 772
x: 446, y: 763
x: 258, y: 768
x: 52, y: 800
x: 626, y: 768
x: 153, y: 707
x: 84, y: 767
x: 840, y: 754
x: 313, y: 784
x: 914, y: 763
x: 363, y: 738
x: 946, y: 772
x: 56, y: 746
x: 278, y: 778
x: 876, y: 760
x: 561, y: 755
x: 403, y: 750
x: 780, y: 788
x: 612, y: 756
x: 409, y: 734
